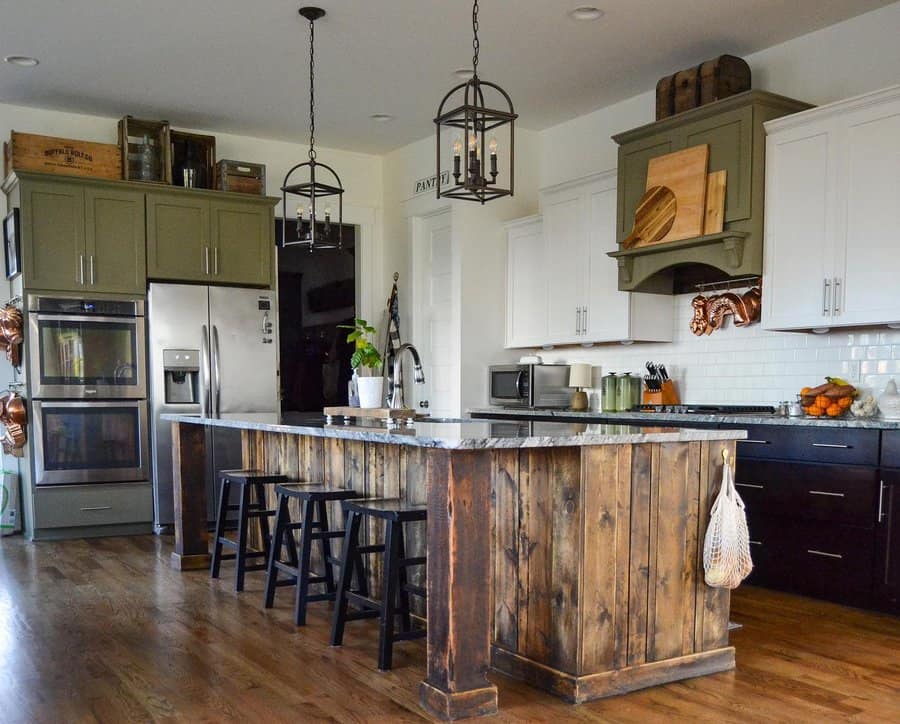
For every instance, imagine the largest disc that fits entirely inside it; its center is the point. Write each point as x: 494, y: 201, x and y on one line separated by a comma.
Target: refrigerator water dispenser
x: 181, y: 368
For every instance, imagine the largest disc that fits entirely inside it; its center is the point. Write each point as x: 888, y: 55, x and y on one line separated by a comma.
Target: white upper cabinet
x: 833, y: 215
x: 562, y: 288
x: 526, y: 284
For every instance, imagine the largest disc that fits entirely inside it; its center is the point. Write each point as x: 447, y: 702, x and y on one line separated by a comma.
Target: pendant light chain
x: 475, y: 44
x: 312, y: 92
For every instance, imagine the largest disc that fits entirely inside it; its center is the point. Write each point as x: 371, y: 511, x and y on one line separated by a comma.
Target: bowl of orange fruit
x: 833, y: 399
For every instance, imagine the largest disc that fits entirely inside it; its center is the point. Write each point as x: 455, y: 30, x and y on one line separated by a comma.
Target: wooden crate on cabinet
x: 134, y: 135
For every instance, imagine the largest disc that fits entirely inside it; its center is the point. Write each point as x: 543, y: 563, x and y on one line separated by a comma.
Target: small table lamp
x: 580, y: 377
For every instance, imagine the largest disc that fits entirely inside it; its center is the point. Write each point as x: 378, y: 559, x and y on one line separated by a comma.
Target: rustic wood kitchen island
x: 566, y: 555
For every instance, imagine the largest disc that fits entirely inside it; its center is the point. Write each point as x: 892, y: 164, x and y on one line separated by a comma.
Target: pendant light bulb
x: 457, y: 146
x: 492, y: 145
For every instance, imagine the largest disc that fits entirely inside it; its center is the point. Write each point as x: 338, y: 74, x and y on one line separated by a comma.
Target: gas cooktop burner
x: 710, y: 409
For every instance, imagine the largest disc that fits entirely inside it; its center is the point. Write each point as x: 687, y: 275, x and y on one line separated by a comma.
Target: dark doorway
x: 316, y: 292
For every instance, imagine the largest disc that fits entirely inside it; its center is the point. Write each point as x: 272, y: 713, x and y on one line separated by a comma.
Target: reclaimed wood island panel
x: 565, y: 555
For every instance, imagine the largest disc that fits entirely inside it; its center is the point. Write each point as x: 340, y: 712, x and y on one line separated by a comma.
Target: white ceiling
x: 240, y: 66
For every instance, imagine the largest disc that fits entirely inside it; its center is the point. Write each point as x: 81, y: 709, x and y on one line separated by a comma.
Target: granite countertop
x: 873, y: 423
x: 463, y: 434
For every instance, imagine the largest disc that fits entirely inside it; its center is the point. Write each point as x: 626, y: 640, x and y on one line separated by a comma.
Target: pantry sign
x: 424, y: 185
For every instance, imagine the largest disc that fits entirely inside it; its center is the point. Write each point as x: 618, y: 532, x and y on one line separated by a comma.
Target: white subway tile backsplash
x: 749, y: 364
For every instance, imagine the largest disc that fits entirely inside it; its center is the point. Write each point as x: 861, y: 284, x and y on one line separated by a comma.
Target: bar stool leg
x: 281, y: 520
x: 240, y: 557
x: 263, y: 519
x: 403, y: 580
x: 349, y: 554
x: 224, y: 491
x: 306, y: 533
x: 325, y: 544
x: 389, y: 596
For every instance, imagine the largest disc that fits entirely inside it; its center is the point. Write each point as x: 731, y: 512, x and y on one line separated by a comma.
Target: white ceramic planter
x: 370, y: 392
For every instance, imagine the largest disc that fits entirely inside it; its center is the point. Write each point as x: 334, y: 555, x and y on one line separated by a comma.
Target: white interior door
x: 433, y: 311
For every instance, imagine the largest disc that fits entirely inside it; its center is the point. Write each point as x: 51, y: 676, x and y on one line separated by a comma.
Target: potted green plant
x: 366, y: 363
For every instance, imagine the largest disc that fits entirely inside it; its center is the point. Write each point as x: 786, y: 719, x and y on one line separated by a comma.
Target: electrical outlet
x: 851, y: 371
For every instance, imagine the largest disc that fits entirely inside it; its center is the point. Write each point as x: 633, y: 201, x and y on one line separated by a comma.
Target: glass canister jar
x: 627, y: 390
x: 608, y: 393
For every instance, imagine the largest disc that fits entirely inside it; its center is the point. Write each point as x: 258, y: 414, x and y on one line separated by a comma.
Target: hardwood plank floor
x: 103, y: 630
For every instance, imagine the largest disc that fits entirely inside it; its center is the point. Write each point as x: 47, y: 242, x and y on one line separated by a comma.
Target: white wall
x: 748, y: 365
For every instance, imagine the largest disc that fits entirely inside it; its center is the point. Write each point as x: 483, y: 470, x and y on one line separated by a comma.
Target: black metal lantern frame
x: 473, y: 126
x: 313, y: 189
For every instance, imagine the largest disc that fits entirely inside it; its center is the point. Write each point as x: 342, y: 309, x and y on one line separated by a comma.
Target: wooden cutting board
x: 685, y: 173
x: 653, y: 217
x: 714, y: 220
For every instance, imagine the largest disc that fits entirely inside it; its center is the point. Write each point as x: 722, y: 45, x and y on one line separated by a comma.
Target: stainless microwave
x: 539, y: 386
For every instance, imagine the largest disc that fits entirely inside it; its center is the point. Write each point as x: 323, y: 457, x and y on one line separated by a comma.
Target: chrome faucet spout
x: 397, y: 401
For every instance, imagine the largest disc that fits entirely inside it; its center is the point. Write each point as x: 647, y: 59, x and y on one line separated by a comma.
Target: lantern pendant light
x: 473, y: 127
x: 309, y: 211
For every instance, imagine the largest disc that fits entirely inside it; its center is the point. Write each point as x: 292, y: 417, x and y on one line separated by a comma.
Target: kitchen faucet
x: 397, y: 402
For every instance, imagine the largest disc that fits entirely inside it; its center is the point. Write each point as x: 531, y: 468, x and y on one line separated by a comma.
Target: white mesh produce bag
x: 726, y: 549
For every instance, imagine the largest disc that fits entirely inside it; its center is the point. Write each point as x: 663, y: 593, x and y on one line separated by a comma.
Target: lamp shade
x: 579, y: 375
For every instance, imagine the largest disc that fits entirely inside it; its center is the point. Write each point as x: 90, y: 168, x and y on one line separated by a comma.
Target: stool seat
x: 314, y: 491
x: 388, y: 508
x: 242, y: 477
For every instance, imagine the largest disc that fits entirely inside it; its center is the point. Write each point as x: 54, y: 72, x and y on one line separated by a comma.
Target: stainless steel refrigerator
x: 212, y: 352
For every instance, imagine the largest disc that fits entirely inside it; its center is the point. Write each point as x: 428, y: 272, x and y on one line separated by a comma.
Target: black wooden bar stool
x: 313, y: 526
x: 254, y: 481
x: 395, y: 587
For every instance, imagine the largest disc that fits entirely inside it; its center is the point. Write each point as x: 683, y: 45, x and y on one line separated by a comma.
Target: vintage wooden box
x: 241, y: 177
x: 713, y: 80
x: 200, y: 151
x: 66, y: 156
x: 145, y: 149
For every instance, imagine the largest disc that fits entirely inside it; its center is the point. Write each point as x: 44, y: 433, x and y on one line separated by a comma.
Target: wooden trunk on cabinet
x: 561, y: 285
x: 733, y: 129
x: 81, y: 236
x: 832, y: 215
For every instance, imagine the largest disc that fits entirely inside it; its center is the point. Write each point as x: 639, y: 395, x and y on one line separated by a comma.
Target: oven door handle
x: 204, y: 372
x: 520, y: 378
x: 216, y: 373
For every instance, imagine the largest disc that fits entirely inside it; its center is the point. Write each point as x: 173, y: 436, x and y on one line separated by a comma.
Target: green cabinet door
x: 243, y: 243
x: 178, y: 247
x: 53, y: 253
x: 114, y: 241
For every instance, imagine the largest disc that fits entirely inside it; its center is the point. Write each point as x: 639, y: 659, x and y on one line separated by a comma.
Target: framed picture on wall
x: 11, y: 243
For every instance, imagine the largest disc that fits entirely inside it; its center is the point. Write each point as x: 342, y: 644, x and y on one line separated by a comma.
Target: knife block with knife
x: 658, y: 388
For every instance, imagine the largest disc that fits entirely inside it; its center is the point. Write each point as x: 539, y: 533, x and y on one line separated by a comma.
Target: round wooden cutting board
x: 653, y: 218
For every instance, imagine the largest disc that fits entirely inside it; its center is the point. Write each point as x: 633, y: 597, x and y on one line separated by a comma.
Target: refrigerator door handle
x: 216, y: 372
x: 204, y: 372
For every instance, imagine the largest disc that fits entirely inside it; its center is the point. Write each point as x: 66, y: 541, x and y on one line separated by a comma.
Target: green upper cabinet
x: 52, y: 228
x: 178, y: 238
x: 79, y: 236
x: 114, y: 241
x: 224, y: 241
x: 243, y: 243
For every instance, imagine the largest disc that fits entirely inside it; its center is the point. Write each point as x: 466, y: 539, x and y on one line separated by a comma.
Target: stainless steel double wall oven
x: 87, y: 373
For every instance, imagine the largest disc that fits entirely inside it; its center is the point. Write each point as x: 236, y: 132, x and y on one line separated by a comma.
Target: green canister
x: 608, y: 393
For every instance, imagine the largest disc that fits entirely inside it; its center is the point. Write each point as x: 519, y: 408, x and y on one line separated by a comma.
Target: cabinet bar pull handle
x: 825, y: 492
x: 577, y: 321
x: 206, y: 258
x: 98, y: 507
x: 755, y: 542
x: 216, y: 260
x: 828, y: 444
x: 91, y: 267
x: 755, y: 442
x: 81, y: 269
x: 837, y: 295
x: 826, y: 287
x: 750, y: 485
x: 585, y: 321
x: 823, y: 553
x: 880, y: 501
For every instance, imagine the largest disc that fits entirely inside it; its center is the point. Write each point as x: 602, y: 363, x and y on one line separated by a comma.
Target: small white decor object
x: 370, y: 392
x: 726, y: 548
x: 531, y: 359
x: 864, y: 406
x: 889, y: 402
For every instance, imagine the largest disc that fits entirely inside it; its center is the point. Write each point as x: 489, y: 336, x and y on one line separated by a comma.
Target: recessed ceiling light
x: 23, y: 61
x: 586, y: 13
x: 464, y: 73
x: 381, y: 117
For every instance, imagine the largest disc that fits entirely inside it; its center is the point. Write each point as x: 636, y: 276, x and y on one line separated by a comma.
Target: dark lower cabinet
x: 887, y: 543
